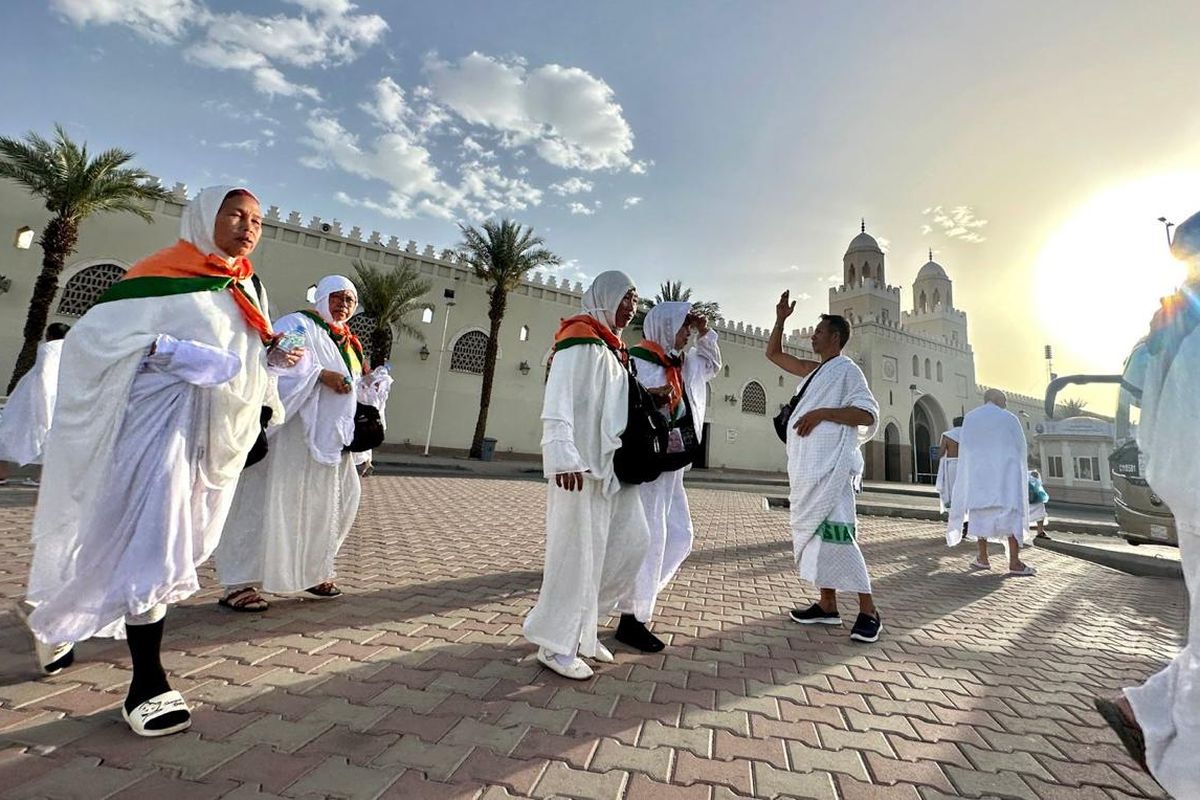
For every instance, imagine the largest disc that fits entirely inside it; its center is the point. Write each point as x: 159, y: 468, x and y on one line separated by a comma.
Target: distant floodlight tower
x: 1050, y: 362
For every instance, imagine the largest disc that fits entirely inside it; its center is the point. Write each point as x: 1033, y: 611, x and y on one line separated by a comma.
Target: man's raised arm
x: 775, y: 354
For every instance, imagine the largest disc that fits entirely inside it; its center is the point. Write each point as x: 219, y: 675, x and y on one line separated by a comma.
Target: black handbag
x: 785, y: 414
x: 368, y: 429
x: 644, y: 440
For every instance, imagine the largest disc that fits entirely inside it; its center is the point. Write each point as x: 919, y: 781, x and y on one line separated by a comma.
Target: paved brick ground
x: 417, y: 684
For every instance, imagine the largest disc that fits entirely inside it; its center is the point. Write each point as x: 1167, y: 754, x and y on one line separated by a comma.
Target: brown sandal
x: 326, y: 590
x: 246, y: 600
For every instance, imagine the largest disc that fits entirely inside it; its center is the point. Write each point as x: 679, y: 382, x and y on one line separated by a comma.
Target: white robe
x: 664, y: 500
x: 143, y: 458
x: 294, y: 509
x: 824, y: 470
x: 991, y: 490
x: 29, y: 410
x: 1167, y: 706
x: 596, y: 538
x: 947, y: 471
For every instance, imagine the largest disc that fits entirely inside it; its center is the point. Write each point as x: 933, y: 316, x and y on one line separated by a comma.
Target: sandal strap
x: 244, y: 597
x: 157, y: 706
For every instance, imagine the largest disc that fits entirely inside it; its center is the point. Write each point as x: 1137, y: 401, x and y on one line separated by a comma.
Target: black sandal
x: 247, y: 601
x: 1129, y: 732
x: 325, y: 590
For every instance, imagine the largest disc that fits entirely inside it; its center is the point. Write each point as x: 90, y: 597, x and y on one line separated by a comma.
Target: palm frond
x: 503, y: 252
x: 390, y: 297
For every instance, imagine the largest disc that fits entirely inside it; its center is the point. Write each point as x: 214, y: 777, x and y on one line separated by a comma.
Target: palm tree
x: 74, y: 185
x: 677, y: 292
x: 1073, y: 408
x: 501, y: 254
x: 388, y: 298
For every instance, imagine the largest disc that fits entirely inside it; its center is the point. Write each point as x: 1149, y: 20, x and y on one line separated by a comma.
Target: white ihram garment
x: 991, y: 489
x: 1168, y: 705
x: 824, y: 470
x: 294, y: 509
x: 664, y: 500
x: 29, y: 410
x: 595, y: 539
x: 947, y: 472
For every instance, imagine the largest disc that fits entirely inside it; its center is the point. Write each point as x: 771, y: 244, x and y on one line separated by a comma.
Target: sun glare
x: 1099, y: 278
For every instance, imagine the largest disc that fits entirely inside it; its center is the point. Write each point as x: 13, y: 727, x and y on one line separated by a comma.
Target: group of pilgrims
x: 175, y: 422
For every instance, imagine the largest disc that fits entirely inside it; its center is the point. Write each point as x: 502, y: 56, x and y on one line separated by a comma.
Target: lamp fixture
x: 23, y: 238
x: 423, y: 353
x: 524, y: 367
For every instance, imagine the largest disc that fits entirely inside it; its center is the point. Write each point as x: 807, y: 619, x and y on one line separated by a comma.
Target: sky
x: 732, y: 145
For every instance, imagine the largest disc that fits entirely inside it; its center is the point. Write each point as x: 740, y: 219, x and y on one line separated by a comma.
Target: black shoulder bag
x: 258, y: 451
x: 785, y: 414
x: 644, y: 440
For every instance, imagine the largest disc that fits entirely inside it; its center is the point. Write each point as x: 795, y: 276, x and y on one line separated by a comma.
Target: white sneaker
x: 603, y: 655
x: 576, y: 670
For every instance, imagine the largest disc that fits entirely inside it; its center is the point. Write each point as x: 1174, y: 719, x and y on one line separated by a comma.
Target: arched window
x: 427, y: 314
x: 524, y: 333
x: 781, y: 381
x: 927, y: 368
x: 726, y: 370
x: 916, y: 367
x: 754, y: 399
x: 866, y: 272
x: 85, y: 288
x: 939, y: 371
x: 362, y: 325
x: 921, y: 303
x: 853, y: 277
x: 467, y: 355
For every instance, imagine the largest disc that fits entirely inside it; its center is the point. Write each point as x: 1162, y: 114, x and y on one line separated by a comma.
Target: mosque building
x: 919, y: 363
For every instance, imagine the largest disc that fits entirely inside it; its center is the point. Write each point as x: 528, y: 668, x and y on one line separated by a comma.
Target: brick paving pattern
x: 417, y: 683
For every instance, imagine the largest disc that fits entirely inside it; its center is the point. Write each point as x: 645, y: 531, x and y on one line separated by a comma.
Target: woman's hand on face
x: 335, y: 381
x: 570, y: 481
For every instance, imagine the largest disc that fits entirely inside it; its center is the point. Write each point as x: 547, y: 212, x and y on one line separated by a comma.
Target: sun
x: 1099, y: 278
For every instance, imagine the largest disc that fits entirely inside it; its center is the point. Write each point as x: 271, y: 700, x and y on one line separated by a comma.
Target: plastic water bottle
x: 292, y: 340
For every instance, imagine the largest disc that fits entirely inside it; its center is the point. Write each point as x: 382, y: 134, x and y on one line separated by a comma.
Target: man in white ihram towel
x: 991, y: 488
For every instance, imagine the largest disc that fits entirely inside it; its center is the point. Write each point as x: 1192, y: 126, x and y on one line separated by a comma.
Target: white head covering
x: 954, y: 434
x: 664, y: 321
x: 603, y: 297
x: 327, y: 286
x: 200, y: 218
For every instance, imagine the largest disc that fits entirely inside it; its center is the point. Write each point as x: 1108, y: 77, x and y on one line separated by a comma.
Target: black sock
x: 633, y: 632
x: 149, y: 678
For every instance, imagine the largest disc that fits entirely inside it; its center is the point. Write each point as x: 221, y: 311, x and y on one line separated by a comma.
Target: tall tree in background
x: 675, y: 291
x: 502, y: 253
x: 73, y: 185
x: 389, y: 297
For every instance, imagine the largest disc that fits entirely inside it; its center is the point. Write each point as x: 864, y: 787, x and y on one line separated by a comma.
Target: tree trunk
x: 381, y: 347
x: 58, y: 241
x: 496, y: 308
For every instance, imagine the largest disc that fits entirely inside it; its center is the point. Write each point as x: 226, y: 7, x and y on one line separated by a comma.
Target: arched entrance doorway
x: 925, y: 424
x: 891, y: 453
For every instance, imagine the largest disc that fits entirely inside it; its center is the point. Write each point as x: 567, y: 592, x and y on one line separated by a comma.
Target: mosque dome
x: 864, y: 243
x: 932, y: 271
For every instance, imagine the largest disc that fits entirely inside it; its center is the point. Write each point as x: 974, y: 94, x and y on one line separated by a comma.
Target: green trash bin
x: 488, y: 450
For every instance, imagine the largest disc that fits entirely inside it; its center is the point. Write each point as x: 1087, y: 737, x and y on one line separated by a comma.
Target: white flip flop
x: 152, y: 709
x: 1028, y: 571
x: 975, y: 565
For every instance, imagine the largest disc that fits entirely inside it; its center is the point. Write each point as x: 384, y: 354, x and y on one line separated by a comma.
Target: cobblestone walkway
x: 417, y: 683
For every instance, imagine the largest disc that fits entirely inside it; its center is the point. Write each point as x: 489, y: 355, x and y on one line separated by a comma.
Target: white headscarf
x: 327, y: 286
x: 200, y: 218
x: 664, y: 321
x: 604, y: 296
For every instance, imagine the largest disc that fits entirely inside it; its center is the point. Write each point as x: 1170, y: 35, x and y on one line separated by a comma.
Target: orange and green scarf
x: 347, y: 343
x: 652, y: 352
x: 181, y: 269
x: 586, y: 329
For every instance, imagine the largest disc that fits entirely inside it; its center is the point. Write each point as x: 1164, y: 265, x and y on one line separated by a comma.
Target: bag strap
x: 804, y: 387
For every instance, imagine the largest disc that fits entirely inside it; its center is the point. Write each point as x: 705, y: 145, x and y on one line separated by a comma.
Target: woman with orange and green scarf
x: 668, y: 358
x: 161, y: 390
x: 595, y: 527
x: 294, y: 509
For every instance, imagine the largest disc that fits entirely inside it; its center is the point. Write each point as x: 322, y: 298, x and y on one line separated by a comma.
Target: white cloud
x: 630, y: 202
x: 569, y: 117
x: 832, y: 279
x: 158, y: 20
x: 958, y: 222
x: 581, y: 208
x: 804, y: 296
x: 572, y: 185
x: 248, y: 145
x: 884, y: 244
x: 326, y: 33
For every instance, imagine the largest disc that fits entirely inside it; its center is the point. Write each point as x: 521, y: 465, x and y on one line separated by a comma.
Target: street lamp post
x: 915, y: 392
x: 1168, y: 226
x: 448, y: 294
